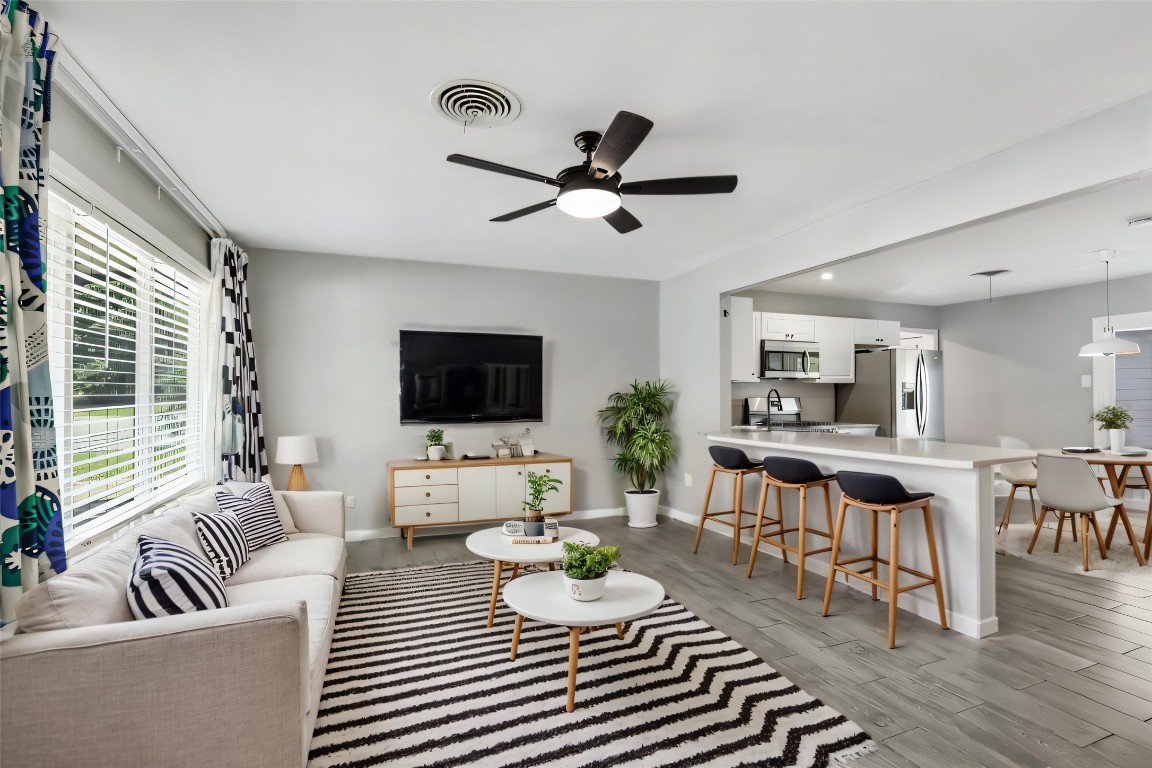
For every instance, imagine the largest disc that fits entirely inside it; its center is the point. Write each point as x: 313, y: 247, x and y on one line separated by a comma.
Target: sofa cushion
x: 169, y: 579
x: 302, y: 555
x: 257, y: 513
x: 223, y: 540
x: 315, y: 591
x: 240, y: 488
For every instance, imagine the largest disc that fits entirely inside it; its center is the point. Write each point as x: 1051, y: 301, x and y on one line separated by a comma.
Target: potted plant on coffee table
x: 1116, y: 420
x: 634, y: 421
x: 539, y: 486
x: 586, y: 569
x: 435, y: 440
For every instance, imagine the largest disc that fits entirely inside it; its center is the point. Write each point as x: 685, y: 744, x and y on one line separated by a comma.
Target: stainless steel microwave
x: 789, y: 359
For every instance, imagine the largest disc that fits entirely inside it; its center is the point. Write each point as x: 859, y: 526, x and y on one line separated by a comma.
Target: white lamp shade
x: 1108, y: 346
x: 296, y: 449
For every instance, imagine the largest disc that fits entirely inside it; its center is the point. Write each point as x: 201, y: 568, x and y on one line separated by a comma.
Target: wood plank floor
x: 1066, y: 682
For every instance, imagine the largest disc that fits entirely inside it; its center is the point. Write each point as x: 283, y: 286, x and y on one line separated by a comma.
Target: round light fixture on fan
x: 588, y: 198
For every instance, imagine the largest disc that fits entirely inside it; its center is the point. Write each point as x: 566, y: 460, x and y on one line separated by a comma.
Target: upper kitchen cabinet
x: 874, y: 333
x: 788, y: 327
x: 837, y: 338
x: 744, y: 336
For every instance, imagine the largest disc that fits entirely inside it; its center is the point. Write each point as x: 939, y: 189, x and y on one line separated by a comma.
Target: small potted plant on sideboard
x: 539, y: 486
x: 586, y: 569
x: 1116, y: 420
x: 435, y: 440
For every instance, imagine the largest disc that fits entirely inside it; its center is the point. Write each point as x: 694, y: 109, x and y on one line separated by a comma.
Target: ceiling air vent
x: 475, y: 103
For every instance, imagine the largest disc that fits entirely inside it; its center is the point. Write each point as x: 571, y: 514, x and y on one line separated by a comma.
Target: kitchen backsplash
x: 818, y: 401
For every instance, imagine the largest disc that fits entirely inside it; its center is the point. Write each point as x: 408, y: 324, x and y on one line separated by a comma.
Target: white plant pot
x: 642, y: 508
x: 437, y: 452
x: 1116, y: 440
x: 585, y: 590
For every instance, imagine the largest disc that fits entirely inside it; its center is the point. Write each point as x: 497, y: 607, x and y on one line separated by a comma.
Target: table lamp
x: 296, y: 450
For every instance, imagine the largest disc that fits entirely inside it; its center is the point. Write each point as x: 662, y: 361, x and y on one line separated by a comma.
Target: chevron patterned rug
x: 415, y: 678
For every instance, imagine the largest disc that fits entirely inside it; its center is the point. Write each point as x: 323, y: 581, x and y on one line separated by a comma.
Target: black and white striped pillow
x: 256, y: 510
x: 223, y: 540
x: 169, y: 579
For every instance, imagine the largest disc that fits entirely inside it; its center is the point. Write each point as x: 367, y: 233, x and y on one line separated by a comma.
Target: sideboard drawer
x: 406, y: 496
x: 426, y: 514
x: 425, y: 476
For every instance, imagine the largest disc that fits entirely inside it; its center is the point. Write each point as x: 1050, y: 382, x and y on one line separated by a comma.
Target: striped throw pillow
x: 257, y: 513
x: 223, y: 540
x: 169, y: 579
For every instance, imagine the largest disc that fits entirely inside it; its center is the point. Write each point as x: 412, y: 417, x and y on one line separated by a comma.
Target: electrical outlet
x: 351, y: 502
x: 687, y: 480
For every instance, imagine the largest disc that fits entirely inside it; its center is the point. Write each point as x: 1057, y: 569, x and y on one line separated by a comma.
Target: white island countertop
x: 930, y: 453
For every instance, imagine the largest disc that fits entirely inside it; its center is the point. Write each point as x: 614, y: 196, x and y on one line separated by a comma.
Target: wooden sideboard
x: 465, y: 491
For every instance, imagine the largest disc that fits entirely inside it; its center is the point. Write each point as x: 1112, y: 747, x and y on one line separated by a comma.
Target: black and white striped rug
x: 415, y: 678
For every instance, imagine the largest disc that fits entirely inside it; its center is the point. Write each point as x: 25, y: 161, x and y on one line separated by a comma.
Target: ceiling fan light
x: 588, y: 203
x: 1110, y: 345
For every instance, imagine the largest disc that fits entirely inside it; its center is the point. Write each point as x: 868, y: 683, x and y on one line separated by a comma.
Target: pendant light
x: 1109, y: 345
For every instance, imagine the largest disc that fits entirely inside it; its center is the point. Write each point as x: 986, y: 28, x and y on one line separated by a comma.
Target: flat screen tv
x: 449, y: 377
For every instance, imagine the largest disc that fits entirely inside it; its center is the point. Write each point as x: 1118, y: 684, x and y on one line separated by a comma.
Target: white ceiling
x: 1046, y: 246
x: 306, y: 125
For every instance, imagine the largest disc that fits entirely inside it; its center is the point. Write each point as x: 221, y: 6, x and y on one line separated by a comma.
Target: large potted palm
x: 634, y: 423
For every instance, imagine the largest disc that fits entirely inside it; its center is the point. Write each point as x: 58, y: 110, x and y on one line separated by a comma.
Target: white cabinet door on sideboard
x: 559, y: 500
x: 477, y: 493
x: 510, y: 491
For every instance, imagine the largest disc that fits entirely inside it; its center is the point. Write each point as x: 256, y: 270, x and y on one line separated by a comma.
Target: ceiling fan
x: 593, y: 188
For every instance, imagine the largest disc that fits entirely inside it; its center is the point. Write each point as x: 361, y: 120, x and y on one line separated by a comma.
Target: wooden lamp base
x: 296, y: 480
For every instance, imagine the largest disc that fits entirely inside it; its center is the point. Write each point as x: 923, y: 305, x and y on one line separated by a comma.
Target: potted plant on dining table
x: 1116, y: 420
x: 586, y: 569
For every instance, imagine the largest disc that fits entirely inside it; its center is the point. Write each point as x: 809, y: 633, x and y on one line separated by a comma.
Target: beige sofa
x: 84, y: 683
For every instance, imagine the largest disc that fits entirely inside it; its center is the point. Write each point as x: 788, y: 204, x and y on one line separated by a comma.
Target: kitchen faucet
x: 779, y: 402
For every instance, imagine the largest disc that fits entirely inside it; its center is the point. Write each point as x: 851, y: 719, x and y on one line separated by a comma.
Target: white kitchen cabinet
x: 837, y: 339
x: 787, y: 327
x: 744, y: 338
x: 878, y: 332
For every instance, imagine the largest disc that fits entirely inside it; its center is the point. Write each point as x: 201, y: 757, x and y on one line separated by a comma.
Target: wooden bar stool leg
x: 704, y: 514
x: 834, y: 555
x: 875, y: 551
x: 828, y: 507
x: 736, y: 513
x: 801, y: 546
x: 930, y: 533
x: 780, y: 517
x: 1039, y: 525
x: 759, y: 525
x: 893, y: 574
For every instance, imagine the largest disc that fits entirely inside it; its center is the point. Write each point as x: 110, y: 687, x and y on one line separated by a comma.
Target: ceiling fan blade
x: 508, y: 170
x: 622, y: 221
x: 619, y: 142
x: 690, y: 185
x: 525, y: 211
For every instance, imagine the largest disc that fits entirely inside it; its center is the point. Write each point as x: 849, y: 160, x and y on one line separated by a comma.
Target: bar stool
x: 883, y: 493
x: 728, y: 461
x: 782, y: 472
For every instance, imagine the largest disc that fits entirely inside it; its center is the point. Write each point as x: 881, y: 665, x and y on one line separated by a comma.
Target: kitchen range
x: 783, y: 414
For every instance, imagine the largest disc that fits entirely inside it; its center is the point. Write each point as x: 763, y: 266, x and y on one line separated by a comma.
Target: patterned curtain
x: 31, y: 522
x: 240, y: 435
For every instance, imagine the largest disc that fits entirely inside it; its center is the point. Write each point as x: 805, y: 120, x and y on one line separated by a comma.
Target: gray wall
x: 1011, y: 366
x: 74, y: 137
x: 327, y: 345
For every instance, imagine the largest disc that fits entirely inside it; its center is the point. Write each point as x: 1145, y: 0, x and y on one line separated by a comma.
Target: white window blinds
x: 127, y: 346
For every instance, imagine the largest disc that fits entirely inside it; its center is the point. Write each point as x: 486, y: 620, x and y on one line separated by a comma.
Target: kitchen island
x: 963, y: 511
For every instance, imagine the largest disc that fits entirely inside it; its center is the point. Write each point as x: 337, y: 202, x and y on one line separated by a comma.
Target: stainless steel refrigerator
x: 902, y: 390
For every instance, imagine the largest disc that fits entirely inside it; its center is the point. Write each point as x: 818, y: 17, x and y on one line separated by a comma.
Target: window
x: 1134, y: 387
x: 127, y: 345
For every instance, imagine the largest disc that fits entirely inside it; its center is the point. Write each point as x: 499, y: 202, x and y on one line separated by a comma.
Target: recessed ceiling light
x: 1140, y: 221
x: 826, y: 276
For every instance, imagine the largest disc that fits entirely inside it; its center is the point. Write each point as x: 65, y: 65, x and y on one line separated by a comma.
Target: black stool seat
x: 731, y: 458
x: 872, y: 488
x: 793, y: 471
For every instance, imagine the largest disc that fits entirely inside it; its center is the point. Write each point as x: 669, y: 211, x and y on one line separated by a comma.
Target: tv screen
x: 450, y: 377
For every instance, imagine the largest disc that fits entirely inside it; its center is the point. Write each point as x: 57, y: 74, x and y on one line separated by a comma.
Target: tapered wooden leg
x: 828, y: 507
x: 1084, y: 541
x: 1039, y: 525
x: 737, y: 517
x: 620, y: 630
x: 411, y: 535
x: 1072, y: 526
x: 893, y: 574
x: 497, y: 569
x: 1060, y: 531
x: 780, y: 517
x: 573, y: 655
x: 834, y: 555
x: 1099, y: 536
x: 1032, y: 501
x: 516, y: 636
x: 515, y: 571
x: 928, y: 531
x: 704, y: 514
x: 875, y: 550
x: 759, y: 525
x: 801, y: 546
x: 1123, y: 515
x: 1008, y: 509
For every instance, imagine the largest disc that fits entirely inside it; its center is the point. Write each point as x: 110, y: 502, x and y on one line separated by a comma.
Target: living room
x: 852, y: 127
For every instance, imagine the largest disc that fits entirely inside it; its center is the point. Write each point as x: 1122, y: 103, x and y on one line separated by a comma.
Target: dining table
x: 1117, y: 468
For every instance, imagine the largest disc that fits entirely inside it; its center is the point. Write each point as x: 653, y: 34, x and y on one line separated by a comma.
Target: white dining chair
x: 1067, y: 486
x: 1021, y: 474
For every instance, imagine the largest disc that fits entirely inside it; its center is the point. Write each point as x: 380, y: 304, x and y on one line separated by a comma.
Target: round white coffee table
x: 492, y: 544
x: 542, y: 597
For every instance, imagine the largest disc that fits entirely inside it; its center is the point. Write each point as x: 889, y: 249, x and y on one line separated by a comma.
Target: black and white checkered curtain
x: 239, y: 434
